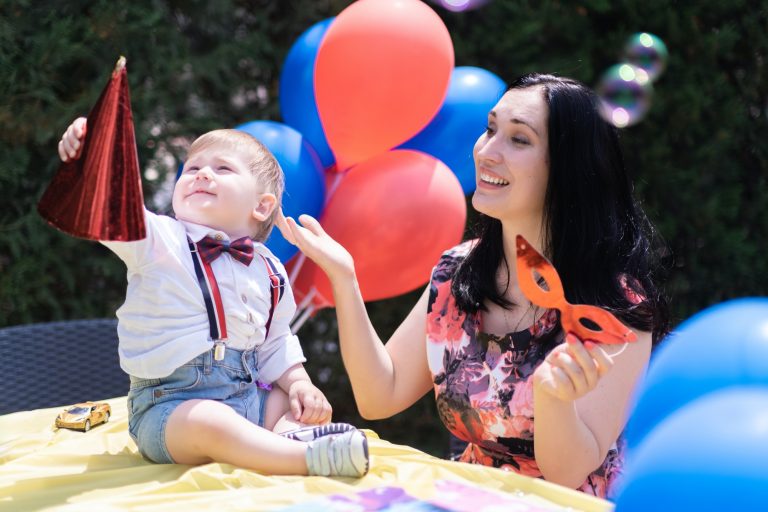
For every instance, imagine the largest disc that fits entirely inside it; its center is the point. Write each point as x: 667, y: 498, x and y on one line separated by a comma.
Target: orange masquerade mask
x: 611, y: 330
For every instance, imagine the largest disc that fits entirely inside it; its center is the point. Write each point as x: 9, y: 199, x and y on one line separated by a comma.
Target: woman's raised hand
x: 71, y: 142
x: 316, y: 244
x: 572, y: 369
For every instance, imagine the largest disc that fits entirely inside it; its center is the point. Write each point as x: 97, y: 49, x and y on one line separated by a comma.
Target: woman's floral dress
x: 483, y: 383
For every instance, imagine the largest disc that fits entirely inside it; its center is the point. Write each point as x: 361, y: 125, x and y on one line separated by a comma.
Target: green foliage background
x: 699, y: 159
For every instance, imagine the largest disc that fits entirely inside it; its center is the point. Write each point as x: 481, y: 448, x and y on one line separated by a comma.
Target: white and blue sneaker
x: 338, y: 455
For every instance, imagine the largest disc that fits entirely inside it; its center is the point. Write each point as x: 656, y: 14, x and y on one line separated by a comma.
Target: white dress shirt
x: 163, y: 322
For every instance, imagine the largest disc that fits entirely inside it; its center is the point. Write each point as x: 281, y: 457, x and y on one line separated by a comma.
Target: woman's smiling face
x: 511, y: 158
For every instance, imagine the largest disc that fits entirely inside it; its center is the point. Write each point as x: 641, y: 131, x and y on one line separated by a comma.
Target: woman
x: 549, y: 168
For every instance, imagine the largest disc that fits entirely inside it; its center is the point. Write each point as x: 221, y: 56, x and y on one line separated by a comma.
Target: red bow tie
x: 240, y: 249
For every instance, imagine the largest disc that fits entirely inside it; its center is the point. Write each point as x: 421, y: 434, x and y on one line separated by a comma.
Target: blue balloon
x: 304, y: 180
x: 725, y: 345
x: 452, y: 133
x: 297, y: 90
x: 710, y: 455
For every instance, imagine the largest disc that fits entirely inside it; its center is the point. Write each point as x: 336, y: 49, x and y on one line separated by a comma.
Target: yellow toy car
x: 84, y: 415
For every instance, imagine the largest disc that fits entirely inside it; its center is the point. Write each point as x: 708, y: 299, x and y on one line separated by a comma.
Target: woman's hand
x: 308, y: 403
x: 572, y: 369
x: 71, y: 142
x: 315, y: 243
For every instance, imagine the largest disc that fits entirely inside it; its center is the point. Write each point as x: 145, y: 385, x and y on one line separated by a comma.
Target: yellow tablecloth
x: 42, y: 468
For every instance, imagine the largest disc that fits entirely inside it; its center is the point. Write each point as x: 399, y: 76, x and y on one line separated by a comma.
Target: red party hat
x: 98, y: 195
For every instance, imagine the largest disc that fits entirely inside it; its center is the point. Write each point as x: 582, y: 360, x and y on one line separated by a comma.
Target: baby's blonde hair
x: 261, y: 162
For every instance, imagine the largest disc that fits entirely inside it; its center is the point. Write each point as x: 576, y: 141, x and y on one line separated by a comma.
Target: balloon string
x: 296, y: 324
x: 297, y: 267
x: 303, y: 257
x: 307, y: 300
x: 305, y: 309
x: 334, y: 185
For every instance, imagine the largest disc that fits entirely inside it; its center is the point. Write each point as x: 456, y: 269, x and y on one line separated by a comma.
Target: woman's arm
x: 580, y: 407
x: 385, y: 379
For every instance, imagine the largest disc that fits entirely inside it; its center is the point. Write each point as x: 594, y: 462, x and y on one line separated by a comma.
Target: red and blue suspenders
x: 212, y: 298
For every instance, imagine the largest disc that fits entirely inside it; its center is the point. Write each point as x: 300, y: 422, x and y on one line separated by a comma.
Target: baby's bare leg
x: 280, y: 419
x: 277, y: 413
x: 201, y: 431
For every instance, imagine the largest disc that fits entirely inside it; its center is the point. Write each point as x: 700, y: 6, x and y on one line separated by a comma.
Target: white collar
x: 197, y: 232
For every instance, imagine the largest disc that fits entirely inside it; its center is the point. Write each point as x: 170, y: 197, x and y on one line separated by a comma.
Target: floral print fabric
x: 483, y: 382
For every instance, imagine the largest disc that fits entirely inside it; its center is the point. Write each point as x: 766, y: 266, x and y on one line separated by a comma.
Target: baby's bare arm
x: 307, y: 403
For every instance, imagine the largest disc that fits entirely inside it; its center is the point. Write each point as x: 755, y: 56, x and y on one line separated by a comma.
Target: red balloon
x: 381, y: 74
x: 395, y: 214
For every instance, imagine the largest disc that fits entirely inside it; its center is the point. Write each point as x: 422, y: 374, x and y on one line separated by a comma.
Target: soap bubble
x: 461, y: 5
x: 625, y: 94
x: 647, y: 52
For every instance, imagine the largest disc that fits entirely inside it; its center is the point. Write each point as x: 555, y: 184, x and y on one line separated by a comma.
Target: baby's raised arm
x: 71, y: 142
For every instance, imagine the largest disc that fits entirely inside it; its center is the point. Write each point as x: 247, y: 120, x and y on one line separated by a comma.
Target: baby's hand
x: 71, y: 142
x: 308, y: 404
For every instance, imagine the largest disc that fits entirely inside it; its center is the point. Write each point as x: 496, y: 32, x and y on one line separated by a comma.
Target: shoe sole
x: 307, y: 434
x: 366, y: 455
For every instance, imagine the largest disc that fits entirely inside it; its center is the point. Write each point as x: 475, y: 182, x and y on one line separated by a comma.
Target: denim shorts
x: 232, y: 381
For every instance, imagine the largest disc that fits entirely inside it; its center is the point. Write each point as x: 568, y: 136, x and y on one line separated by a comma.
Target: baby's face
x: 217, y: 189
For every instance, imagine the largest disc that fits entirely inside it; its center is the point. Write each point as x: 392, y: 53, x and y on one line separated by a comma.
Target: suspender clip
x: 218, y: 350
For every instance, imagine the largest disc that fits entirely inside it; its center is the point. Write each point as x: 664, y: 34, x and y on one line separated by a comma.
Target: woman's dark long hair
x: 595, y: 232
